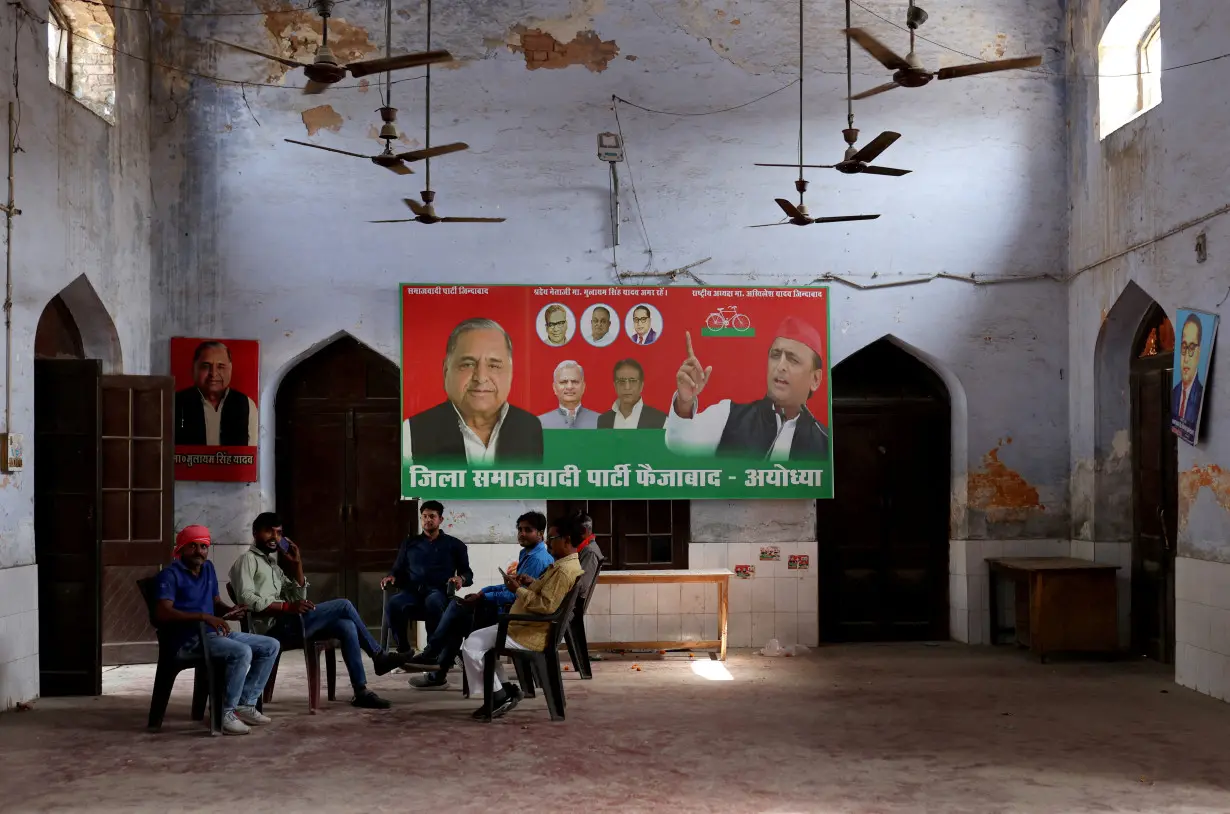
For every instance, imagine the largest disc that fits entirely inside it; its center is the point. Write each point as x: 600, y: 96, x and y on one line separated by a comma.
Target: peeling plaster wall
x: 1152, y: 175
x: 275, y: 243
x: 83, y: 187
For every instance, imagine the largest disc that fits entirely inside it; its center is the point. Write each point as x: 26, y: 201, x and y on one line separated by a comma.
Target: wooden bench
x: 719, y: 576
x: 1067, y: 604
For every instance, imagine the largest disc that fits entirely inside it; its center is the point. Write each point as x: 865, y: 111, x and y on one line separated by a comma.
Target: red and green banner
x: 556, y: 392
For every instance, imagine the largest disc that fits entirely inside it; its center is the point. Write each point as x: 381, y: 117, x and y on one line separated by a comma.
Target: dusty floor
x: 894, y: 728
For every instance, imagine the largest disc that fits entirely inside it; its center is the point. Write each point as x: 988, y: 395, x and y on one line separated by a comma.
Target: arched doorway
x: 1155, y: 497
x: 337, y: 463
x: 883, y: 538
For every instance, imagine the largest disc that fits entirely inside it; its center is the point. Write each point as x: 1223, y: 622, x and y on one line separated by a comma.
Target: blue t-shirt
x: 532, y: 562
x: 188, y: 593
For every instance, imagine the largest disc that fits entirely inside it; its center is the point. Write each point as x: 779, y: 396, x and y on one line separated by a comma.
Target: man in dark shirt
x: 188, y: 593
x: 427, y: 564
x: 482, y: 608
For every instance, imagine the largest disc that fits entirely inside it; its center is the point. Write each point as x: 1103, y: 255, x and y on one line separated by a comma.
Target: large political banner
x: 546, y: 392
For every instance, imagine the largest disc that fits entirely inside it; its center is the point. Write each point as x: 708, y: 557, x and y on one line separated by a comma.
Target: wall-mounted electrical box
x: 11, y: 451
x: 610, y: 147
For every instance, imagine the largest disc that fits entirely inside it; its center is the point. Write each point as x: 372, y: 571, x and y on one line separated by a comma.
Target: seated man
x: 427, y: 564
x: 482, y: 608
x: 540, y: 597
x: 589, y: 554
x: 188, y: 592
x: 275, y: 600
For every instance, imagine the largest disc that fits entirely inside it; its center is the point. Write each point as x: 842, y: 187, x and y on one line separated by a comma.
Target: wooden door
x: 67, y: 433
x: 137, y: 510
x: 338, y: 460
x: 1155, y: 492
x: 883, y: 538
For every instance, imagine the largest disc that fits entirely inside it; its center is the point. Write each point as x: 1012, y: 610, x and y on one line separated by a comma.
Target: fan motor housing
x: 912, y: 78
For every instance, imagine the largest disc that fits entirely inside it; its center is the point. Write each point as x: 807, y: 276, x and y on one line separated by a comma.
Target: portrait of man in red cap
x: 778, y: 427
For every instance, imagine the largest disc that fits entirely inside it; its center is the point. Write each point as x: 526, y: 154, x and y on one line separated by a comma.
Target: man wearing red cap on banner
x: 778, y: 427
x: 188, y: 592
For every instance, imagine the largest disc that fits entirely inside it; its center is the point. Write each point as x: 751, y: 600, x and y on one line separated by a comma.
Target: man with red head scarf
x: 188, y: 593
x: 778, y: 427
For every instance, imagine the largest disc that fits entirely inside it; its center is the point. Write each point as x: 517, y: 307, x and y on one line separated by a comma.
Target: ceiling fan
x: 425, y: 212
x: 387, y: 158
x: 908, y: 71
x: 324, y: 70
x: 798, y: 215
x: 856, y: 161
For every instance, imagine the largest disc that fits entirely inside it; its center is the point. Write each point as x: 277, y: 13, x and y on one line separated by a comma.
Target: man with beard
x: 210, y: 413
x: 275, y: 600
x: 476, y: 425
x: 569, y: 386
x: 188, y: 592
x: 778, y: 427
x: 481, y: 609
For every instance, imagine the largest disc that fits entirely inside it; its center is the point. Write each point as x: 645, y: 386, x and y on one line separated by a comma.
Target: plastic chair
x: 574, y: 636
x: 532, y: 666
x: 312, y: 650
x: 207, y: 685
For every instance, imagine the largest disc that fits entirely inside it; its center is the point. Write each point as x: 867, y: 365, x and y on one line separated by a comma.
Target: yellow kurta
x: 543, y: 598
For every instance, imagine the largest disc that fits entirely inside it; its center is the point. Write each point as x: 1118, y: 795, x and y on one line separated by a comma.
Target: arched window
x: 1129, y: 64
x: 81, y: 53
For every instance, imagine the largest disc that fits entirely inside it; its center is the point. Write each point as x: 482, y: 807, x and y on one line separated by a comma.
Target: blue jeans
x: 339, y: 619
x: 249, y: 660
x: 458, y: 622
x: 411, y: 605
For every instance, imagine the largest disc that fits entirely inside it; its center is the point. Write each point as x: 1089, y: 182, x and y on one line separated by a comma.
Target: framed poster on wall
x: 217, y: 420
x: 1193, y: 358
x: 536, y: 392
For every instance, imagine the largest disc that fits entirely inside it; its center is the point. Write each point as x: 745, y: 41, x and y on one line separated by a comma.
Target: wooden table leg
x: 993, y: 607
x: 723, y: 611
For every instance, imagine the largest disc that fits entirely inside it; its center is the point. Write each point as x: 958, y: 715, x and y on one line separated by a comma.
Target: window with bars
x: 635, y: 535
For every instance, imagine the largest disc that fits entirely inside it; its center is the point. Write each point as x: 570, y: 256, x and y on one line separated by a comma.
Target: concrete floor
x: 867, y: 729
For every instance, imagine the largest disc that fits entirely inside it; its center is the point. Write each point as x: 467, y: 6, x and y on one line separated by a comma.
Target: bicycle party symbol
x: 727, y: 321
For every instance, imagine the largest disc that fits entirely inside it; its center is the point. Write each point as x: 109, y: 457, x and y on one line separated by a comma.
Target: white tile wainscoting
x: 18, y: 635
x: 1202, y: 626
x: 775, y: 602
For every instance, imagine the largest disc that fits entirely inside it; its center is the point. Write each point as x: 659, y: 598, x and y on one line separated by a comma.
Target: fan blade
x: 790, y: 209
x: 432, y: 152
x: 883, y: 54
x: 796, y: 166
x: 844, y: 218
x: 370, y: 66
x: 415, y: 207
x: 290, y: 62
x: 881, y: 89
x: 313, y: 87
x: 399, y: 220
x: 975, y: 68
x: 471, y: 220
x: 876, y: 146
x: 884, y: 171
x: 330, y: 149
x: 779, y: 223
x: 398, y: 168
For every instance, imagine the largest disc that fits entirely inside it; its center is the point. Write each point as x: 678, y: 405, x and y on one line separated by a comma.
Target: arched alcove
x: 337, y: 466
x: 95, y: 328
x: 57, y: 335
x: 883, y: 538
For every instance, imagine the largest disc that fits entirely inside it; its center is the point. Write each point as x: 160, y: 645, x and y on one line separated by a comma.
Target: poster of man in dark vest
x: 217, y: 424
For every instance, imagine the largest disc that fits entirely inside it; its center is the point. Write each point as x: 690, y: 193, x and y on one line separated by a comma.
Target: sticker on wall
x: 770, y: 552
x: 745, y: 571
x: 798, y: 562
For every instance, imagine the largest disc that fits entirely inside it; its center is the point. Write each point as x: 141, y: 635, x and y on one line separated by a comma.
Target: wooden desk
x: 719, y: 576
x: 1068, y: 604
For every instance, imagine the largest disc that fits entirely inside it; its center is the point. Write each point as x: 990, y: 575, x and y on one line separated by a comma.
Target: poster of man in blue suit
x: 1193, y: 356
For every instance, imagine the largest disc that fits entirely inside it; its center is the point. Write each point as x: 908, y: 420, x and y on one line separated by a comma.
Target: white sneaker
x: 231, y: 725
x: 252, y: 716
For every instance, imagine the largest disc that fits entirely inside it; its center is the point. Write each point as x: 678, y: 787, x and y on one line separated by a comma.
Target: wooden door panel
x: 315, y: 517
x: 377, y: 522
x: 1155, y: 484
x: 137, y: 507
x: 66, y: 482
